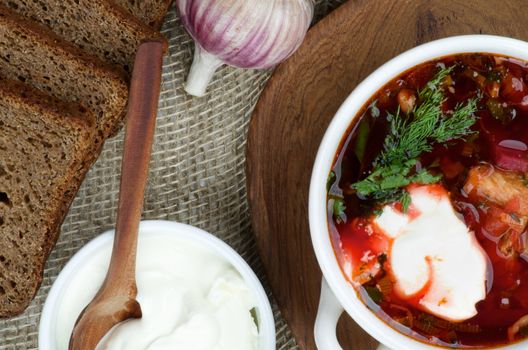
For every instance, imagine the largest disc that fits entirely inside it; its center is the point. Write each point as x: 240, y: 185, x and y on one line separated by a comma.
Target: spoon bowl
x: 123, y: 307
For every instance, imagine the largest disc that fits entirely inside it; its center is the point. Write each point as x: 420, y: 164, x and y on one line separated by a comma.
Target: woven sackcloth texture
x: 196, y: 174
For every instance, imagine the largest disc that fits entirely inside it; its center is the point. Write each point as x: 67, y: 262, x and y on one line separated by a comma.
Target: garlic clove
x: 202, y: 70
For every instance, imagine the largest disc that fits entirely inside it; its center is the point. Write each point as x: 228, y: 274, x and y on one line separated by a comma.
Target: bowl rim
x: 47, y: 326
x: 329, y: 146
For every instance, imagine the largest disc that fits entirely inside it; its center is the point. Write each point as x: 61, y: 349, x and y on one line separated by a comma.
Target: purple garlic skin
x: 244, y: 33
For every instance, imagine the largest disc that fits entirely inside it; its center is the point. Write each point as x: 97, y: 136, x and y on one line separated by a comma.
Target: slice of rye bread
x: 151, y: 12
x: 33, y: 54
x: 97, y: 26
x: 43, y: 141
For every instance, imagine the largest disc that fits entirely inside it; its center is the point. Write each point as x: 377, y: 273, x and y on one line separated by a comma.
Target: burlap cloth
x: 196, y: 174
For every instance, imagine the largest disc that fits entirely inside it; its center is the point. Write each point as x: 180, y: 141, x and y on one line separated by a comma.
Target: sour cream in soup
x: 191, y: 298
x: 434, y: 256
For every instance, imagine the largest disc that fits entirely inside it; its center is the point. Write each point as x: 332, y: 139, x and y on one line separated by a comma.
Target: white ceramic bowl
x: 48, y: 321
x: 336, y: 292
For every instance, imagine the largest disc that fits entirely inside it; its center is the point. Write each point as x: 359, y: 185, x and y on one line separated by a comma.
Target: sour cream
x: 435, y: 259
x: 191, y: 298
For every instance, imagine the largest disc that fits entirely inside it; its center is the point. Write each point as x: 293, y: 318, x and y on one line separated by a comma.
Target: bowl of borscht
x: 419, y: 200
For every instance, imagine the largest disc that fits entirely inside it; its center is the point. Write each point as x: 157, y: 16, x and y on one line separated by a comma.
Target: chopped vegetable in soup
x: 428, y: 202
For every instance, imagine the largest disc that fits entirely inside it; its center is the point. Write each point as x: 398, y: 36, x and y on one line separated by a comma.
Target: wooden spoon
x: 116, y: 300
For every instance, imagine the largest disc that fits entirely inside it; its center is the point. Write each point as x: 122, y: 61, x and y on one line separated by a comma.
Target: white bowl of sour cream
x: 195, y: 291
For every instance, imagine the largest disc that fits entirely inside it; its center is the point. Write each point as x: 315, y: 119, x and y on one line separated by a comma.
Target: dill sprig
x: 409, y: 137
x: 458, y: 124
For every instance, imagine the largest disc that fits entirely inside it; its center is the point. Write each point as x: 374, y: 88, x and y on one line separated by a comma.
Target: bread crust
x: 150, y: 12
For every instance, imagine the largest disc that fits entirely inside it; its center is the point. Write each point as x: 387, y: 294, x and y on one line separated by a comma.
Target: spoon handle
x: 140, y: 124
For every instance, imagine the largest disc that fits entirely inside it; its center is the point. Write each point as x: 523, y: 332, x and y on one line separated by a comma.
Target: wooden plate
x: 295, y: 108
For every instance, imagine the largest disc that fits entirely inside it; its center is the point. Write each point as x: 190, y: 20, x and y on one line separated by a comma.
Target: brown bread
x: 150, y: 12
x: 42, y: 145
x: 35, y: 55
x: 97, y: 26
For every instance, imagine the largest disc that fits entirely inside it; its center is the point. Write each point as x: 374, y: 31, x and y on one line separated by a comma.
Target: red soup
x: 428, y: 202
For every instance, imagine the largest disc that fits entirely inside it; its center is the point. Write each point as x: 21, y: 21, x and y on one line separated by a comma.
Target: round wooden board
x: 295, y: 108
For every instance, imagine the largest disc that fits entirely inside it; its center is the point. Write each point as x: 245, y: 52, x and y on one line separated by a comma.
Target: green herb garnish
x: 409, y: 137
x: 377, y: 212
x: 330, y: 181
x: 405, y: 201
x: 360, y: 144
x: 338, y: 203
x: 339, y: 211
x: 363, y: 131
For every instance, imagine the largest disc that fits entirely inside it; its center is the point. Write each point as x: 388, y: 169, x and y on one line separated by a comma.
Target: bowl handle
x: 327, y: 317
x: 326, y: 322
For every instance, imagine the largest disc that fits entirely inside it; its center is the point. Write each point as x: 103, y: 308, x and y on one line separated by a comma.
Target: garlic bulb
x: 242, y: 33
